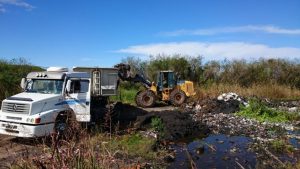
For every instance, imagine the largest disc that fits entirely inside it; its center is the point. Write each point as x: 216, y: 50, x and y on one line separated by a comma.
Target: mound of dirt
x: 177, y: 125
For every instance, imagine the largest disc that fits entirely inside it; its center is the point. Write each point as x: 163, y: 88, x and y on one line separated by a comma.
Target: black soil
x: 177, y: 124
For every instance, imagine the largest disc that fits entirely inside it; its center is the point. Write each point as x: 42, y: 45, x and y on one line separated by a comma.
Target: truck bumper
x: 25, y: 130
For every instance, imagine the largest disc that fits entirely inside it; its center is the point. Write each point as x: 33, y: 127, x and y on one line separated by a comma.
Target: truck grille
x: 15, y: 108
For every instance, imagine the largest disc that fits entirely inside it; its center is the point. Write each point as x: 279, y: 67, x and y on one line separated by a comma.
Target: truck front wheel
x: 62, y: 125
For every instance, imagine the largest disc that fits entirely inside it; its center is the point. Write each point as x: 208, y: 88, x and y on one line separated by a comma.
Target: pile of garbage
x: 229, y: 97
x: 226, y: 103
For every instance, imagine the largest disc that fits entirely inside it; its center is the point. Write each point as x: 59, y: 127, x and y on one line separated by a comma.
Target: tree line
x: 242, y: 72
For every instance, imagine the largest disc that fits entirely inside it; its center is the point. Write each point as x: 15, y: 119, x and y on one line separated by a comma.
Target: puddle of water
x: 215, y: 151
x: 293, y: 141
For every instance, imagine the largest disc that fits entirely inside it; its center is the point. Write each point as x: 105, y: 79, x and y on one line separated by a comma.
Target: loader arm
x: 125, y: 75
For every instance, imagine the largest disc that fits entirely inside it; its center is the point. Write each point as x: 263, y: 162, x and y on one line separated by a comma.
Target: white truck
x: 52, y: 96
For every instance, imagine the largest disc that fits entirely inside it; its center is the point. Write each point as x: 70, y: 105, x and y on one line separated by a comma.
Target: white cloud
x: 18, y: 3
x: 2, y: 9
x: 217, y: 51
x: 239, y: 29
x: 86, y: 59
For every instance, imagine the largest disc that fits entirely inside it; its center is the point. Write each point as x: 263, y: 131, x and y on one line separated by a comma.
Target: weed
x: 259, y: 111
x: 281, y: 146
x: 290, y: 165
x: 276, y: 130
x: 157, y: 124
x: 136, y: 145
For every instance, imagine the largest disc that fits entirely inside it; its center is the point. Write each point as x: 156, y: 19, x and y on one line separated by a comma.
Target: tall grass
x: 125, y: 95
x: 271, y: 91
x: 97, y: 151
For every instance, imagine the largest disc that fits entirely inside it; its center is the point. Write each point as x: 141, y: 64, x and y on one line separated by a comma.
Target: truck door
x: 78, y: 98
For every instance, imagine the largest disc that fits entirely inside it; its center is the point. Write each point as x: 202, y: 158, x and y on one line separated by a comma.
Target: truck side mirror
x: 23, y: 83
x: 68, y: 86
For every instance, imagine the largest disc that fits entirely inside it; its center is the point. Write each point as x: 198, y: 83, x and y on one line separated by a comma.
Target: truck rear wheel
x: 145, y: 98
x: 177, y: 97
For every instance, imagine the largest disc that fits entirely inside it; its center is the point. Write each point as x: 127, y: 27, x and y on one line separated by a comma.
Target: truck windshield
x: 44, y: 86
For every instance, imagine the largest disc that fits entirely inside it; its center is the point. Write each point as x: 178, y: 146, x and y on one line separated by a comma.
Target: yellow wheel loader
x: 167, y: 88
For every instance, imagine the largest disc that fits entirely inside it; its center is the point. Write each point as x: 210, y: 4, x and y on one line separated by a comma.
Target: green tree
x: 11, y: 73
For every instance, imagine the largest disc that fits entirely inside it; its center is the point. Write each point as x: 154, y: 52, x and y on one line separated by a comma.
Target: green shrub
x: 259, y: 111
x: 125, y: 95
x: 157, y: 124
x: 137, y: 145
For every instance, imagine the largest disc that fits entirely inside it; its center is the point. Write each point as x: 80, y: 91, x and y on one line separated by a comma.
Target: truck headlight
x: 33, y: 120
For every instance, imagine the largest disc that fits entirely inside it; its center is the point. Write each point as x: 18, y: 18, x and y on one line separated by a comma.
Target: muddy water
x: 294, y: 141
x: 215, y: 151
x: 222, y: 151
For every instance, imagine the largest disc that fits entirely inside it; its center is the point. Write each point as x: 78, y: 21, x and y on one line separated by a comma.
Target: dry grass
x: 98, y: 150
x: 271, y: 91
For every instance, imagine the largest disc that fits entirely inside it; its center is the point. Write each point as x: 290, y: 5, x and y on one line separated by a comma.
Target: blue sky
x: 101, y: 33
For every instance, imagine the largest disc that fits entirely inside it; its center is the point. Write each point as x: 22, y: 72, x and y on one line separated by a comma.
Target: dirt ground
x: 12, y: 149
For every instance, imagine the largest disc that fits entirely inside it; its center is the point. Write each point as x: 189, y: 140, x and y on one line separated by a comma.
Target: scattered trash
x: 233, y: 150
x: 293, y: 109
x: 150, y: 134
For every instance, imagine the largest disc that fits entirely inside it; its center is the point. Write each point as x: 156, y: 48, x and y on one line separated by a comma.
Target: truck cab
x: 50, y: 95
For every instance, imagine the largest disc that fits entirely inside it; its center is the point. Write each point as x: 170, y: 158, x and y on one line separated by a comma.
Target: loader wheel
x: 177, y: 97
x: 145, y: 98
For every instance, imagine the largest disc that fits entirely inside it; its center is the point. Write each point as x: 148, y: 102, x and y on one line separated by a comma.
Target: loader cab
x: 166, y: 80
